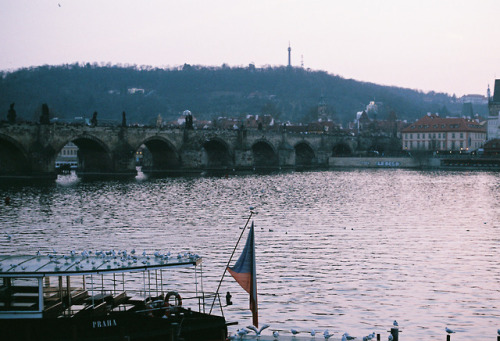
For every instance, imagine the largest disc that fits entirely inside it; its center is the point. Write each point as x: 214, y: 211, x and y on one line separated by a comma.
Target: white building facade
x: 433, y: 133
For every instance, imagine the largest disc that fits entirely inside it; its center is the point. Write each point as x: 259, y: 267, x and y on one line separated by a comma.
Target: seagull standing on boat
x: 449, y: 331
x: 242, y: 332
x: 349, y: 337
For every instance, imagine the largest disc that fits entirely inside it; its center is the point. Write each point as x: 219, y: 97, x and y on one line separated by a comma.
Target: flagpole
x: 229, y: 261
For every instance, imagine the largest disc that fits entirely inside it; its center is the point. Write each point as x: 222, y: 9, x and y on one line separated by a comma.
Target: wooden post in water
x: 448, y: 337
x: 395, y: 334
x: 378, y: 337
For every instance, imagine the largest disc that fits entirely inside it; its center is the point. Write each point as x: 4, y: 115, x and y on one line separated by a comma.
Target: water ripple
x: 347, y: 250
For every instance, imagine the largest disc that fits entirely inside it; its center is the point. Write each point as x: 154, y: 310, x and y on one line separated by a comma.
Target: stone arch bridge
x: 31, y: 149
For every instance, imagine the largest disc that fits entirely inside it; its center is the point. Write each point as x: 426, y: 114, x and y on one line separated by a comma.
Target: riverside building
x: 434, y: 133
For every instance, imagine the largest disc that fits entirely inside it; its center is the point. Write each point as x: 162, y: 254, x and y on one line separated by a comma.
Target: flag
x: 244, y: 273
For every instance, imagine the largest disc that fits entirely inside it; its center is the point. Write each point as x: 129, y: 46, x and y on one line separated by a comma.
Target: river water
x: 349, y: 251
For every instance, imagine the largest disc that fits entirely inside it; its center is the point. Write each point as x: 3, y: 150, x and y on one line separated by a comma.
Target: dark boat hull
x: 187, y: 325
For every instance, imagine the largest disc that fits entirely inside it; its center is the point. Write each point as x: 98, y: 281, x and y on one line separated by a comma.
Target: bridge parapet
x: 33, y: 148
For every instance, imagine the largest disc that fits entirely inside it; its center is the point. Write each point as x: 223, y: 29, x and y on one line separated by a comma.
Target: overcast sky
x: 450, y: 46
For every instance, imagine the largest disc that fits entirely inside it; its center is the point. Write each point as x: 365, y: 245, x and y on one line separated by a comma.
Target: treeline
x: 290, y: 94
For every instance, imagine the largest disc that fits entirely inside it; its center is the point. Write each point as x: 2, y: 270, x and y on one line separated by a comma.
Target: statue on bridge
x: 189, y: 120
x: 11, y: 114
x: 45, y: 118
x: 93, y: 121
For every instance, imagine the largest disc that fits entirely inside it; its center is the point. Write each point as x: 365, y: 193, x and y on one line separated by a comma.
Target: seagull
x: 258, y: 331
x: 294, y: 331
x: 448, y: 330
x: 327, y: 334
x: 313, y: 333
x: 276, y: 334
x: 242, y: 332
x: 344, y: 338
x: 349, y: 337
x: 390, y: 338
x: 498, y: 331
x: 395, y: 323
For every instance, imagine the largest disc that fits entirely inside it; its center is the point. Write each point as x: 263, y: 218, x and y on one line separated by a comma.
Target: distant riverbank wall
x: 383, y: 162
x: 446, y: 163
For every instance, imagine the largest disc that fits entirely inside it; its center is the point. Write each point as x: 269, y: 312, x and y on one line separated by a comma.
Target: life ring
x: 178, y: 299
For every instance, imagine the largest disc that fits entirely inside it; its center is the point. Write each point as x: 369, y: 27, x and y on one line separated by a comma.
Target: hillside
x: 144, y: 93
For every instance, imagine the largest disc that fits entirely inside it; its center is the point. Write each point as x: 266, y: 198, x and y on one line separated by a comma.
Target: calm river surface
x: 344, y: 250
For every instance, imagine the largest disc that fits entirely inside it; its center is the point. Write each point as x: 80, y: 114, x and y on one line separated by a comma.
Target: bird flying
x: 258, y: 331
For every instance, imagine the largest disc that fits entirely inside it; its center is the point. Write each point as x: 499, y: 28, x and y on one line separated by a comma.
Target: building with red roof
x: 434, y: 133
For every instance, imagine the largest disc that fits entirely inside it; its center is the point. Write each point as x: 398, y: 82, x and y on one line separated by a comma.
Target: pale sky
x: 450, y: 46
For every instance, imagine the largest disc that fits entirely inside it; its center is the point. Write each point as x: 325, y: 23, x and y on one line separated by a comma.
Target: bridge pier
x: 30, y: 150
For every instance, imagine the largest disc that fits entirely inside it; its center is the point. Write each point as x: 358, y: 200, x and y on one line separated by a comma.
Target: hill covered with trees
x: 289, y: 94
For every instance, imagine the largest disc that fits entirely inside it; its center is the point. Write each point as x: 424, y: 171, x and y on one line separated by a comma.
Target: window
x: 452, y: 135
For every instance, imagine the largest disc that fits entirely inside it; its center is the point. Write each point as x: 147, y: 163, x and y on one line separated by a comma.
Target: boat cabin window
x: 19, y: 294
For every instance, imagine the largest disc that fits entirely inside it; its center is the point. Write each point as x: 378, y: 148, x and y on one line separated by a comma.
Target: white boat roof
x: 90, y: 263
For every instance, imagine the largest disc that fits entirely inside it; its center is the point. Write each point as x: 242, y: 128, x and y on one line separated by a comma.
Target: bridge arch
x: 94, y: 155
x: 13, y: 157
x: 342, y: 149
x: 264, y: 155
x: 304, y: 155
x: 161, y: 155
x: 216, y: 154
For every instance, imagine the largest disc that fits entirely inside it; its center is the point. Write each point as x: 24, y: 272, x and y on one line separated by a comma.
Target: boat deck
x: 289, y: 337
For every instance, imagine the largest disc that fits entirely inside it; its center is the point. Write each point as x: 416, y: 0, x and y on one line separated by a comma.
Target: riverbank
x: 444, y: 163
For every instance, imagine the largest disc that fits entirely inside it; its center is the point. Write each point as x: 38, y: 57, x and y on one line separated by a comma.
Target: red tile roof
x: 434, y: 123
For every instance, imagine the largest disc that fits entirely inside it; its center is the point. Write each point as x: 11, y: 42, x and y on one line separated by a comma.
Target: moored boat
x: 103, y: 296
